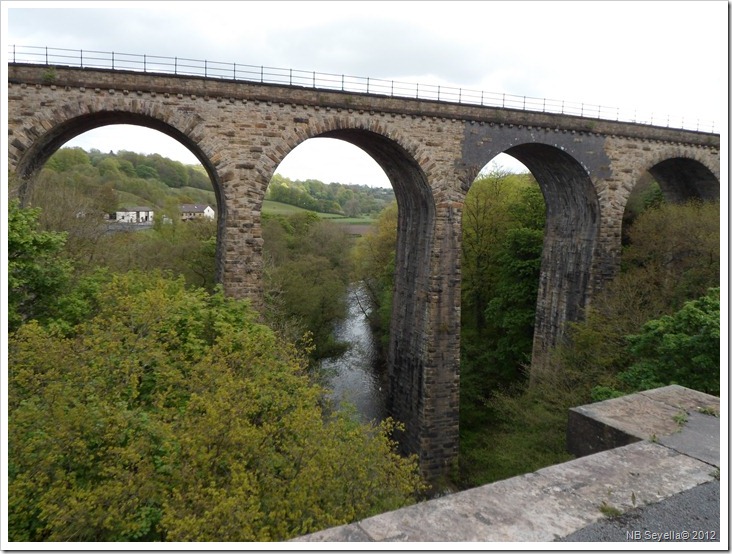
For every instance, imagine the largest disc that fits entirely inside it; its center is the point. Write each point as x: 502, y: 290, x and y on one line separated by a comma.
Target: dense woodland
x: 127, y: 365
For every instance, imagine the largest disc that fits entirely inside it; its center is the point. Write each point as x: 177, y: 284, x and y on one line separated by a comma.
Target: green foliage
x: 374, y: 258
x: 171, y: 414
x: 137, y: 179
x: 646, y: 195
x: 335, y: 198
x: 516, y: 431
x: 682, y: 348
x: 37, y: 270
x: 655, y: 324
x: 185, y: 248
x: 503, y: 224
x: 67, y: 158
x: 307, y: 271
x: 677, y: 247
x: 672, y: 258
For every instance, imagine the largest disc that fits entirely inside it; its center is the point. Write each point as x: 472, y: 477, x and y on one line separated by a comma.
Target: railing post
x: 343, y: 82
x: 112, y: 61
x: 144, y: 63
x: 175, y: 65
x: 261, y: 74
x: 313, y: 79
x: 417, y: 91
x: 46, y: 55
x: 81, y: 58
x: 438, y: 93
x: 367, y: 85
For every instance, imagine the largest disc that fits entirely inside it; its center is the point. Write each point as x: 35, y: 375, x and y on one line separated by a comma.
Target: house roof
x: 194, y: 208
x: 136, y: 209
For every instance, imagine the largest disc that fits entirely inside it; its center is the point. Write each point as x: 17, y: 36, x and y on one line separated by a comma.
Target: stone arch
x: 570, y: 239
x: 682, y: 174
x: 684, y: 178
x: 408, y: 170
x: 50, y: 130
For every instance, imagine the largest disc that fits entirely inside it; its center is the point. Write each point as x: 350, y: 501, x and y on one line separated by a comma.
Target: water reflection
x: 354, y: 377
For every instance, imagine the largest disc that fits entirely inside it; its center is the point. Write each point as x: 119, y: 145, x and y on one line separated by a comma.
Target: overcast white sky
x: 660, y: 57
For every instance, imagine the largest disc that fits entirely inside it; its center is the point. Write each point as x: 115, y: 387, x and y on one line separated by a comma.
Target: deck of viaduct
x: 431, y: 152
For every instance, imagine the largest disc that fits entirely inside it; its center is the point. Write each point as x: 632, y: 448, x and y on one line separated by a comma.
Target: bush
x: 171, y: 414
x: 681, y: 349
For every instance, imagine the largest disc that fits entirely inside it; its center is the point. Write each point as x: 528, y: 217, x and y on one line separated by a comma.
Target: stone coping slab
x: 559, y: 500
x: 648, y: 415
x: 537, y: 507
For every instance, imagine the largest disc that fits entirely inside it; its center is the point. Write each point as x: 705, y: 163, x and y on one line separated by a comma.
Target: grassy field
x: 278, y: 208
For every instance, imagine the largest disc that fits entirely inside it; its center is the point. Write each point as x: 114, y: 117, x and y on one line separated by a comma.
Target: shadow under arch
x: 415, y: 237
x: 570, y: 238
x: 45, y: 146
x: 683, y: 179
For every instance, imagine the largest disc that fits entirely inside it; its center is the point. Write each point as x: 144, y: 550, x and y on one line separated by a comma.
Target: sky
x: 654, y: 57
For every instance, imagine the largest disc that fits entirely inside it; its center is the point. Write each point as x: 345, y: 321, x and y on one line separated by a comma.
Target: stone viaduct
x: 431, y: 151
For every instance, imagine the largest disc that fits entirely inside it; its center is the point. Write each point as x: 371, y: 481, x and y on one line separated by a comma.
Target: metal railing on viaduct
x: 347, y: 83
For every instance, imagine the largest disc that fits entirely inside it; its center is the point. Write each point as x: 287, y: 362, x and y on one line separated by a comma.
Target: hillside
x: 125, y: 179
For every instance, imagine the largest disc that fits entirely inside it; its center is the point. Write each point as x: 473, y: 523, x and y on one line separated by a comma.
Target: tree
x: 503, y: 229
x: 67, y: 158
x: 171, y: 414
x: 374, y: 262
x: 37, y: 270
x: 682, y: 348
x: 75, y: 204
x: 678, y: 245
x: 486, y: 217
x: 307, y: 270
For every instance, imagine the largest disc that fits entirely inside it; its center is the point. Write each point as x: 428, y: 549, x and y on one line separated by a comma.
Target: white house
x: 137, y: 214
x: 194, y: 211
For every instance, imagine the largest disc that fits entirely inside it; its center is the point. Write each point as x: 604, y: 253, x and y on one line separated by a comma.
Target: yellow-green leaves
x: 173, y: 415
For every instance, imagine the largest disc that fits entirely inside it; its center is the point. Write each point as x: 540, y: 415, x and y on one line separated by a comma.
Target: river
x: 355, y: 377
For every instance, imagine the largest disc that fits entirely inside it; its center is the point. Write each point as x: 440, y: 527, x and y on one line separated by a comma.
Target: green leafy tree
x: 73, y: 203
x: 672, y: 258
x: 307, y: 271
x: 679, y: 245
x: 503, y: 227
x: 171, y: 414
x: 513, y: 308
x: 67, y: 158
x: 146, y: 172
x: 681, y: 348
x: 37, y: 270
x: 374, y: 259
